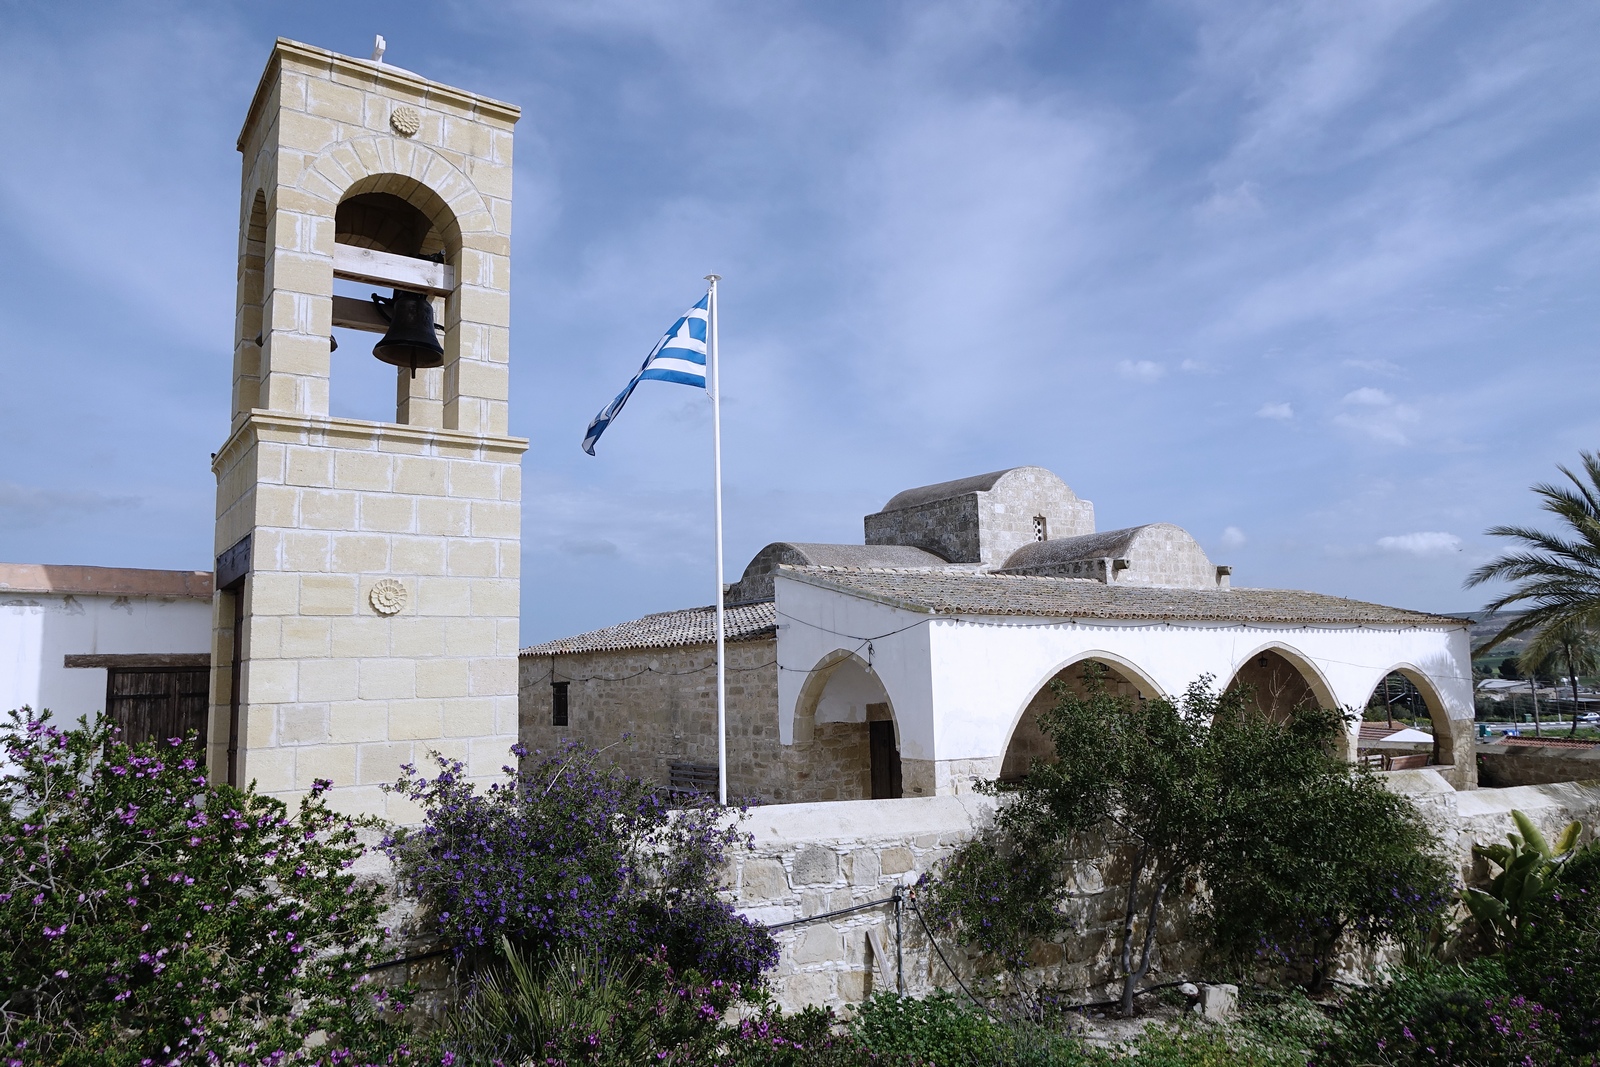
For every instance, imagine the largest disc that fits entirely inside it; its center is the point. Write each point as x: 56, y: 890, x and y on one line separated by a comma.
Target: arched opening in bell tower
x: 395, y: 239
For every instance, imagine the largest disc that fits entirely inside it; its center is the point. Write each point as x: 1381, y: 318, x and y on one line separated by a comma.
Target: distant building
x: 918, y: 662
x: 86, y: 640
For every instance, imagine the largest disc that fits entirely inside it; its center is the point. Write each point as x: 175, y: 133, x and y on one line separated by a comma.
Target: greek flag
x: 680, y: 357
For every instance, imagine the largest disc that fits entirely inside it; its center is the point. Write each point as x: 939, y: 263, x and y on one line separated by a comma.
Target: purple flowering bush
x: 150, y: 917
x: 1441, y: 1014
x: 1556, y: 956
x: 569, y: 853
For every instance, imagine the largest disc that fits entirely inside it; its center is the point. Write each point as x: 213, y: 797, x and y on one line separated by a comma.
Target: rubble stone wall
x: 807, y: 861
x: 650, y: 708
x: 1514, y: 765
x: 811, y: 859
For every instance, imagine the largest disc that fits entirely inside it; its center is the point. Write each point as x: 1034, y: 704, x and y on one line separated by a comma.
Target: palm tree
x: 1571, y: 643
x: 1556, y: 576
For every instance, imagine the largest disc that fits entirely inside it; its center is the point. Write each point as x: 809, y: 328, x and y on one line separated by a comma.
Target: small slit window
x: 1041, y: 529
x: 558, y: 703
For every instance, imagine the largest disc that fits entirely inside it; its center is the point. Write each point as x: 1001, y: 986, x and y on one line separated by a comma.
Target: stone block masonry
x: 344, y: 685
x: 368, y: 609
x: 811, y: 859
x: 650, y: 708
x: 804, y: 861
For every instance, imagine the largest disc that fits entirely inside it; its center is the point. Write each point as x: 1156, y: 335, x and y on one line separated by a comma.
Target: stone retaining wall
x: 810, y: 859
x: 1502, y: 765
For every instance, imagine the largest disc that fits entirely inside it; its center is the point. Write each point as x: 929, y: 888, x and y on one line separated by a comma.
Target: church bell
x: 411, y: 340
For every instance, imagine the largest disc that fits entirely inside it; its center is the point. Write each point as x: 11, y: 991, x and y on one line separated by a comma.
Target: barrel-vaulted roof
x: 1071, y: 549
x: 977, y: 483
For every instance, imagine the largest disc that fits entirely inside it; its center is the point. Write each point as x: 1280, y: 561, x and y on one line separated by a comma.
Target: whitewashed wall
x: 958, y: 685
x: 39, y: 630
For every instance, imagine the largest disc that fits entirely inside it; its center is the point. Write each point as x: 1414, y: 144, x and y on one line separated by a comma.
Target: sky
x: 1316, y: 282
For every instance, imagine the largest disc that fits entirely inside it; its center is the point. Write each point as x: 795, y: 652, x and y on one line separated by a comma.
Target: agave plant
x: 523, y: 1013
x: 1528, y: 865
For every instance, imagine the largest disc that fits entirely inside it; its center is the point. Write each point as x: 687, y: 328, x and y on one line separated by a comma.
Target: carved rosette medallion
x: 387, y: 597
x: 405, y: 121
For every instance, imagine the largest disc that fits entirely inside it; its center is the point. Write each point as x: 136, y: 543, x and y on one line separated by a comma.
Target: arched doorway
x: 846, y: 743
x: 1029, y: 744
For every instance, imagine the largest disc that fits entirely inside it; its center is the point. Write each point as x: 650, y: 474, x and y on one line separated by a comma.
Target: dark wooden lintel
x: 144, y: 660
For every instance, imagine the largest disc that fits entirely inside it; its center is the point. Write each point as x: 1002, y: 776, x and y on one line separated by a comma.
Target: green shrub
x: 1310, y: 853
x: 1186, y: 1047
x: 942, y: 1030
x: 1301, y: 853
x: 1528, y: 866
x: 569, y: 853
x: 575, y: 1007
x: 808, y: 1038
x: 149, y: 916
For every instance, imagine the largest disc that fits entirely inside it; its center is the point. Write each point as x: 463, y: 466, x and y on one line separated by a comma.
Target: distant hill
x: 1485, y: 626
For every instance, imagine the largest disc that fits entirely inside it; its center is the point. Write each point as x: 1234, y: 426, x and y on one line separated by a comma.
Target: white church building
x: 918, y: 662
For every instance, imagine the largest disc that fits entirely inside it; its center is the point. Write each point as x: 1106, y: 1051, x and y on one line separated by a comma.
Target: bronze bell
x: 410, y: 340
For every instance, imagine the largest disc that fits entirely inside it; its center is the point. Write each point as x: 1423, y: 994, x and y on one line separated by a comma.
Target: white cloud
x: 1142, y: 370
x: 1427, y: 543
x: 1232, y: 537
x: 1280, y: 411
x: 1376, y: 415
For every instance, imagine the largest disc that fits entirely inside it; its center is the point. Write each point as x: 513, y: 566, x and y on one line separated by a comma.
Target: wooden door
x: 158, y: 702
x: 885, y: 757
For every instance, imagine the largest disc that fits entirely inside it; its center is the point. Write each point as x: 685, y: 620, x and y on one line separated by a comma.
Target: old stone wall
x: 1514, y: 765
x: 810, y: 859
x: 650, y: 708
x: 947, y: 528
x: 806, y: 861
x: 986, y: 526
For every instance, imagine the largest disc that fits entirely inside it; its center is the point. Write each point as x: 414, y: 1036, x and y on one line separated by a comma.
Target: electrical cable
x: 911, y: 895
x: 831, y: 914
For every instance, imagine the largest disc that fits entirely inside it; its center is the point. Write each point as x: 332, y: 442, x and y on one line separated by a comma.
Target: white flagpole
x: 712, y: 359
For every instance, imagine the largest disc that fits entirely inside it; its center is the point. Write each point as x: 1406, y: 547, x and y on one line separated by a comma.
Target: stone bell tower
x: 367, y: 572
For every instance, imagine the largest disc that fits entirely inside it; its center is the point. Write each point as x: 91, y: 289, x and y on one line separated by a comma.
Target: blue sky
x: 1315, y: 281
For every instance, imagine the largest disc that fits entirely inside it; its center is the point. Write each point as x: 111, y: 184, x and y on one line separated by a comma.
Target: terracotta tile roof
x: 1546, y: 742
x: 103, y: 581
x: 940, y: 593
x: 669, y: 629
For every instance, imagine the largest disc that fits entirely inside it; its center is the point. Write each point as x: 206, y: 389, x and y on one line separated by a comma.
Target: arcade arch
x: 1280, y: 682
x: 1419, y: 688
x: 1029, y: 744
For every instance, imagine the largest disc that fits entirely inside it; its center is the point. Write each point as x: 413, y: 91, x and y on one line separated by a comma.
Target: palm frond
x: 1554, y: 576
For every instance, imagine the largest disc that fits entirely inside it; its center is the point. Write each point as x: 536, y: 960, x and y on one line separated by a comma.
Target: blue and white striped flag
x: 680, y: 357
